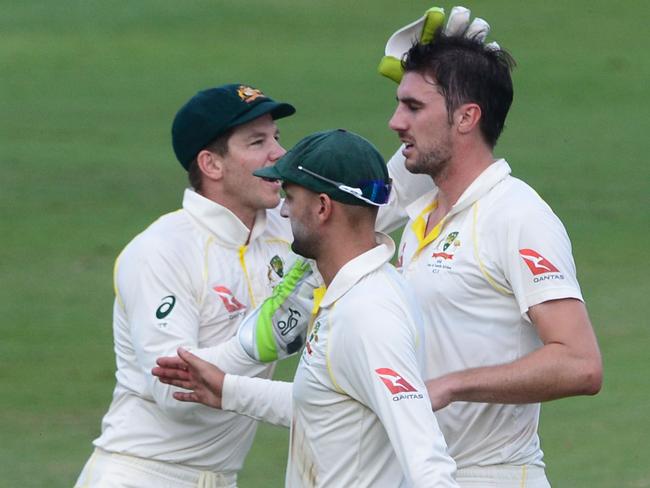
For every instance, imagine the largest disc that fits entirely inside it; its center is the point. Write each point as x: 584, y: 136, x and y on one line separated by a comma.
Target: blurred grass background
x: 87, y: 93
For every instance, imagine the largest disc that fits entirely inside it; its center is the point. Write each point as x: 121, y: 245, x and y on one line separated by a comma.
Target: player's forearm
x: 266, y: 400
x: 231, y: 358
x: 548, y: 373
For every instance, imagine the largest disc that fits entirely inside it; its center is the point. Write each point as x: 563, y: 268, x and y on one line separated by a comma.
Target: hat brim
x: 269, y: 172
x: 277, y: 110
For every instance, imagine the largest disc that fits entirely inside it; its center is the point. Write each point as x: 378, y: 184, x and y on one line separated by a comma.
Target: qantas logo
x: 537, y: 263
x: 393, y: 381
x: 228, y: 299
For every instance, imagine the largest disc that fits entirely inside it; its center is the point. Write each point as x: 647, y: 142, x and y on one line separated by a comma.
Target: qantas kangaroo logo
x: 228, y: 299
x: 537, y: 263
x: 394, y: 381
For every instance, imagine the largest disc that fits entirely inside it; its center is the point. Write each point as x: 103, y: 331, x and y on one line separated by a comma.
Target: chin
x: 272, y: 202
x: 414, y: 166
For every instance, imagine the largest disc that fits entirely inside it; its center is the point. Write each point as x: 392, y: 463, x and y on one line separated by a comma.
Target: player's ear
x: 210, y: 164
x: 324, y: 207
x: 467, y: 117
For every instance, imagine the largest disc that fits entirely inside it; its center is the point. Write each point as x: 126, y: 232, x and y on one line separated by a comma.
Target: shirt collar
x: 221, y: 222
x: 483, y: 183
x: 356, y: 269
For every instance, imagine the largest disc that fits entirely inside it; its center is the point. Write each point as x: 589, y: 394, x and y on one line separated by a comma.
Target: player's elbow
x: 591, y: 376
x: 594, y: 381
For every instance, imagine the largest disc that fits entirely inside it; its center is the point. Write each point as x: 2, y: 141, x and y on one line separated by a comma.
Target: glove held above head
x: 423, y: 30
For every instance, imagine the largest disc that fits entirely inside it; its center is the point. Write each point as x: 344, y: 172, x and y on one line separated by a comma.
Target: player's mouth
x: 276, y: 184
x: 409, y: 147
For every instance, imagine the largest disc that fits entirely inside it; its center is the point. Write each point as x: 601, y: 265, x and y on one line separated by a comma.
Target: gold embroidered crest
x: 248, y: 94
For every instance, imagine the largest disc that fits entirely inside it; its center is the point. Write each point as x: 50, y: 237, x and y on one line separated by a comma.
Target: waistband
x: 503, y: 471
x: 172, y: 471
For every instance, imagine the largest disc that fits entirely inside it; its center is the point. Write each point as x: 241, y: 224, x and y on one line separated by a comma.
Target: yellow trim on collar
x: 419, y: 227
x: 319, y: 293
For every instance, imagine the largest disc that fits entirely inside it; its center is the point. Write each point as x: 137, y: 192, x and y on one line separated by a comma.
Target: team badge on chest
x: 312, y: 340
x: 442, y: 257
x: 275, y: 270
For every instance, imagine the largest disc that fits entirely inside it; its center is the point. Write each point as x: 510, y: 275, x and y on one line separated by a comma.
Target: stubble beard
x: 304, y: 244
x: 433, y: 163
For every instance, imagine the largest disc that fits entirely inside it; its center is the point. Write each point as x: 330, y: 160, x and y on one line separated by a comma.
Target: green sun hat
x: 337, y: 162
x: 212, y: 112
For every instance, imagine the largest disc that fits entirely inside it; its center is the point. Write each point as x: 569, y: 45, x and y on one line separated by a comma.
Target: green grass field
x: 87, y: 93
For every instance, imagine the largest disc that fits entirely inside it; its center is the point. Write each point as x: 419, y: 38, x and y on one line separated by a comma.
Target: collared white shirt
x: 499, y: 251
x: 361, y: 415
x: 187, y: 280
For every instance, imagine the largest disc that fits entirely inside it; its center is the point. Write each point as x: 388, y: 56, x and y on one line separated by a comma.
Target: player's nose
x: 397, y: 122
x: 276, y: 152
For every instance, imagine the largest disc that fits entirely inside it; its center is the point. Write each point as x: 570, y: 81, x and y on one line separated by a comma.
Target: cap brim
x: 269, y: 172
x: 277, y: 111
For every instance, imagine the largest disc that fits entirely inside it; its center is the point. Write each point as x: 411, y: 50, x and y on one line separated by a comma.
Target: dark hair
x: 466, y: 70
x: 218, y: 145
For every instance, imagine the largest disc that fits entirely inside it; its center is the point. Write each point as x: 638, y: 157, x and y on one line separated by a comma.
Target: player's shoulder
x: 170, y: 235
x: 513, y: 202
x: 379, y: 302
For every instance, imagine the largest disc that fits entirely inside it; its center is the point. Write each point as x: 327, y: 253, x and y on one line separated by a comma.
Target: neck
x: 334, y: 255
x: 246, y: 215
x: 462, y: 170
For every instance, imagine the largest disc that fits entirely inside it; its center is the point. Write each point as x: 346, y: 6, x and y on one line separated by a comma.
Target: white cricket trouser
x: 110, y: 470
x: 502, y: 476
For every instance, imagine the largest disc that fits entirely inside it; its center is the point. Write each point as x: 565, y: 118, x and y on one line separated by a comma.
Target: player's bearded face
x: 422, y: 124
x: 432, y: 159
x: 297, y: 208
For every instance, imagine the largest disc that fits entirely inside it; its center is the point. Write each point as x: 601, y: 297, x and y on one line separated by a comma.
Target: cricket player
x: 360, y: 417
x: 491, y: 264
x: 189, y: 279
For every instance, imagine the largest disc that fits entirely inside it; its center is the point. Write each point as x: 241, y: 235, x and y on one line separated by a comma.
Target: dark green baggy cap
x: 212, y: 112
x: 339, y: 163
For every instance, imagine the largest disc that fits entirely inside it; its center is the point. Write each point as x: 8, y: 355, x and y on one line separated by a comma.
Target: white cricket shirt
x: 187, y: 280
x: 499, y: 251
x: 361, y: 415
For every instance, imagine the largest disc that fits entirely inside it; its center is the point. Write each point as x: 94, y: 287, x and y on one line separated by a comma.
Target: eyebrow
x: 259, y: 133
x: 409, y: 100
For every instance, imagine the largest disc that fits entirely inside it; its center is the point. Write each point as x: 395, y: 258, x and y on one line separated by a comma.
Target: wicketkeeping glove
x: 423, y: 30
x: 277, y: 328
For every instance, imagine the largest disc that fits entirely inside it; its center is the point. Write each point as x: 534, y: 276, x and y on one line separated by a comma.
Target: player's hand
x: 423, y: 30
x: 191, y: 373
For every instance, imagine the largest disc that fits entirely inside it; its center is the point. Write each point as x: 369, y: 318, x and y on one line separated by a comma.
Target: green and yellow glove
x: 423, y: 30
x: 277, y: 328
